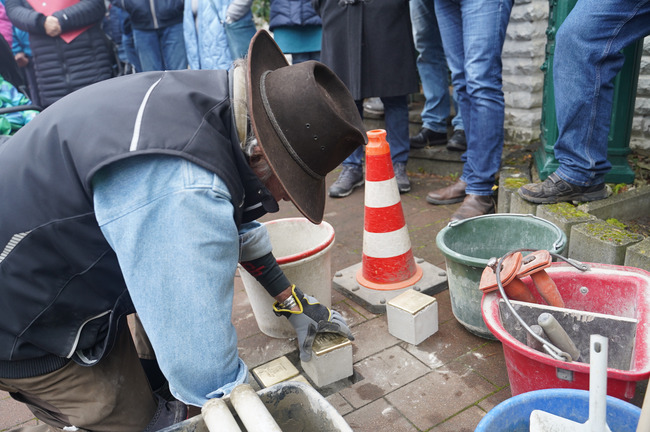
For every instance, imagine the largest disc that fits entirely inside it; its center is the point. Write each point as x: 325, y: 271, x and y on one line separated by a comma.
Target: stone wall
x: 523, y: 79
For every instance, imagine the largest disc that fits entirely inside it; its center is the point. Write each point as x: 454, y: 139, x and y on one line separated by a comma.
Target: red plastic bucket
x: 606, y: 289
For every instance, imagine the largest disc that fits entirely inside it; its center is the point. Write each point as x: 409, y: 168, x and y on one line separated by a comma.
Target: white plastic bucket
x: 303, y: 251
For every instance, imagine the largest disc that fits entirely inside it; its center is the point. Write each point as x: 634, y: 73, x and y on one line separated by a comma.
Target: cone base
x: 390, y: 286
x: 434, y: 281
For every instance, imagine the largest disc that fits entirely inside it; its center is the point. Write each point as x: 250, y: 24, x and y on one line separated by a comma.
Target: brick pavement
x: 445, y: 384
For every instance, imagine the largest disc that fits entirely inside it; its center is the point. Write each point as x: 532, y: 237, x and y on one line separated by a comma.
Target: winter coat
x: 61, y: 286
x: 288, y: 13
x: 369, y: 45
x: 205, y: 40
x: 152, y: 14
x: 62, y: 67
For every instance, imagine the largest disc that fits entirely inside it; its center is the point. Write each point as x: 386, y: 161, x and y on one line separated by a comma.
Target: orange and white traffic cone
x: 387, y: 262
x: 388, y: 267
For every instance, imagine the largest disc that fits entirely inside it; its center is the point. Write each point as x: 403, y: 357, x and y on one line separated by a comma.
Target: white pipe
x: 217, y: 417
x: 252, y: 411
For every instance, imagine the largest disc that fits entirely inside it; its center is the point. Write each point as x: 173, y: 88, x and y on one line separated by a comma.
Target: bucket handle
x: 551, y: 349
x: 557, y: 244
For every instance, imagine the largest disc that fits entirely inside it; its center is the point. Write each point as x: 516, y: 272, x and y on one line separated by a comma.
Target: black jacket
x: 61, y: 289
x: 369, y: 45
x: 62, y: 67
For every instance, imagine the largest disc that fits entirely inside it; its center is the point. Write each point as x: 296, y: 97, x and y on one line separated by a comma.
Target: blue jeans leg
x: 170, y: 223
x: 587, y: 58
x: 148, y: 47
x: 396, y: 117
x: 432, y: 65
x: 173, y: 47
x: 473, y: 33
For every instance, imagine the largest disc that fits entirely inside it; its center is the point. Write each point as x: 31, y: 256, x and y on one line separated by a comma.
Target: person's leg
x: 451, y: 30
x: 171, y: 225
x: 396, y: 116
x: 149, y: 51
x: 587, y: 58
x: 351, y: 176
x: 111, y: 396
x: 173, y: 47
x: 434, y: 74
x: 477, y: 79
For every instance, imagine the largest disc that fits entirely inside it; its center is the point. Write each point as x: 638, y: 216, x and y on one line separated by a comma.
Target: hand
x: 21, y: 59
x: 52, y: 26
x: 310, y: 319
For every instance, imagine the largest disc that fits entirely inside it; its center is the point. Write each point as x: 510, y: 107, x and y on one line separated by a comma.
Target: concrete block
x: 412, y: 316
x: 519, y: 205
x: 638, y: 255
x: 625, y: 206
x: 601, y: 242
x: 564, y: 216
x: 510, y: 180
x: 275, y: 371
x: 331, y: 359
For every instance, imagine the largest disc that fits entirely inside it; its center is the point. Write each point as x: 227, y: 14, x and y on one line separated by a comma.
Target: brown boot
x: 474, y: 205
x: 448, y: 195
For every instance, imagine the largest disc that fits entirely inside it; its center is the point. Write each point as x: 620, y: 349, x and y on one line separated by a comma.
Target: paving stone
x: 482, y: 361
x: 378, y: 416
x: 259, y: 349
x: 375, y: 330
x: 465, y: 421
x: 13, y: 413
x: 339, y: 404
x: 439, y: 395
x: 451, y: 342
x: 495, y: 399
x: 383, y: 372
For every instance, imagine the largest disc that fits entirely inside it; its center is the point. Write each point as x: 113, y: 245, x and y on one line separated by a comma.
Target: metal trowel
x: 542, y: 421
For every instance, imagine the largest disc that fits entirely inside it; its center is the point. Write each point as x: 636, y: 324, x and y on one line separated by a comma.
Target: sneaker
x: 457, y: 141
x: 351, y: 177
x: 554, y: 190
x: 373, y: 108
x: 403, y: 183
x: 427, y: 137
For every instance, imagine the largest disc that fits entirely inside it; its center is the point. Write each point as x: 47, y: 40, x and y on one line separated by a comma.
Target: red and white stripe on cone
x: 388, y: 262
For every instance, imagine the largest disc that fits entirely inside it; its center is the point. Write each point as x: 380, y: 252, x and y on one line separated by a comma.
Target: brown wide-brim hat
x: 305, y: 121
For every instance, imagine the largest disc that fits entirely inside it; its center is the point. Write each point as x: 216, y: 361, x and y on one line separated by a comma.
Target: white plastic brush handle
x: 598, y: 383
x: 218, y: 418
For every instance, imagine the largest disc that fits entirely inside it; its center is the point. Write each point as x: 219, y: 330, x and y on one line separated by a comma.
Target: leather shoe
x: 474, y: 205
x: 458, y: 141
x: 427, y: 137
x: 448, y: 195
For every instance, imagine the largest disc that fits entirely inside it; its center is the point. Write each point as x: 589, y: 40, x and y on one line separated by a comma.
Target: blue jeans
x: 162, y: 49
x: 587, y: 58
x: 171, y: 225
x: 396, y: 118
x: 473, y: 32
x: 432, y: 67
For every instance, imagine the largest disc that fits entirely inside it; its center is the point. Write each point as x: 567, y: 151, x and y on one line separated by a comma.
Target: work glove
x: 311, y: 319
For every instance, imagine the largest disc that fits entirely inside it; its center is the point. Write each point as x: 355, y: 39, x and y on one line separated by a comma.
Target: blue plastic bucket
x: 513, y: 415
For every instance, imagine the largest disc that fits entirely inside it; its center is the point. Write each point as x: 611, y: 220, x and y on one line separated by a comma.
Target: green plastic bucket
x: 468, y: 245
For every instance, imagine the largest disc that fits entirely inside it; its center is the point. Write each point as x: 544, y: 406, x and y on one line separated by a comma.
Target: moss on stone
x: 567, y: 210
x: 610, y: 233
x: 515, y: 182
